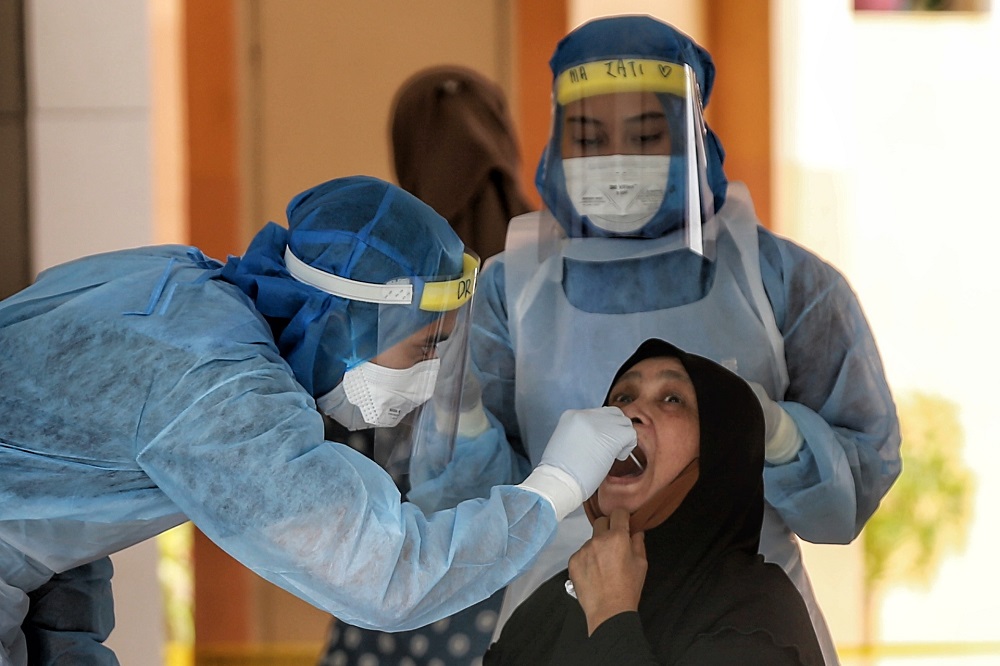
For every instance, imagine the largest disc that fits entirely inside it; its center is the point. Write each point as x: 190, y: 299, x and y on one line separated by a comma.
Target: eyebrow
x: 583, y: 120
x: 634, y: 375
x: 641, y: 117
x: 646, y: 115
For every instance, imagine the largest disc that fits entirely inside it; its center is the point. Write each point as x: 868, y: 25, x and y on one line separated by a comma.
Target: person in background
x: 642, y: 235
x: 143, y: 388
x: 454, y: 147
x: 671, y: 574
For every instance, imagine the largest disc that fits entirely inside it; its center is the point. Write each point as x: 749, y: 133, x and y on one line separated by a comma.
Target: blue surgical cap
x: 360, y: 228
x: 629, y: 37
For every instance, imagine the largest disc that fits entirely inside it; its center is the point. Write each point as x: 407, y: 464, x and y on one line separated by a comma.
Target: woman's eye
x: 621, y: 399
x: 672, y: 398
x: 588, y: 136
x: 587, y: 142
x: 647, y: 140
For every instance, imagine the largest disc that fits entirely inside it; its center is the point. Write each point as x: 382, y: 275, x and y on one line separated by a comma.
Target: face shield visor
x: 627, y: 155
x: 418, y: 353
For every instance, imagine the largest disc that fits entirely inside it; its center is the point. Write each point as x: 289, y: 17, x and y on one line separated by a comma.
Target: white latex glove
x: 782, y: 438
x: 584, y: 445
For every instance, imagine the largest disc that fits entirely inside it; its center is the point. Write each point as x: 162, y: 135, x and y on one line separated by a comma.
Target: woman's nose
x: 634, y: 414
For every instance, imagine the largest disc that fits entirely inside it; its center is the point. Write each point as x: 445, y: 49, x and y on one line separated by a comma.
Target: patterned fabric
x: 460, y: 640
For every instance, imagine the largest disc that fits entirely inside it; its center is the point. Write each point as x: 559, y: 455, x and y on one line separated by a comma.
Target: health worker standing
x: 143, y: 388
x: 643, y: 236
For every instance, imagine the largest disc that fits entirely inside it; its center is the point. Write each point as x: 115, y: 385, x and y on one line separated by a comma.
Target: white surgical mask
x: 619, y: 193
x: 383, y: 395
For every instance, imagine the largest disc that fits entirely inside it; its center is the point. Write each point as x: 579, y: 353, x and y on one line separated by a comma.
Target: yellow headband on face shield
x: 622, y: 75
x: 440, y: 296
x: 451, y: 294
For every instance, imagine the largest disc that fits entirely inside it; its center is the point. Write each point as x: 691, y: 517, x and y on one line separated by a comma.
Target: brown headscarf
x: 454, y: 147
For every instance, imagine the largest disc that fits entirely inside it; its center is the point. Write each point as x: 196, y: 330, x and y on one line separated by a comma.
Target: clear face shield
x: 631, y: 142
x: 410, y: 390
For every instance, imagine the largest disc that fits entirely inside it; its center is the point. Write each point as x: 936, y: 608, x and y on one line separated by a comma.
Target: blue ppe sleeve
x: 71, y: 616
x: 139, y: 391
x: 246, y: 462
x: 837, y: 395
x: 476, y: 465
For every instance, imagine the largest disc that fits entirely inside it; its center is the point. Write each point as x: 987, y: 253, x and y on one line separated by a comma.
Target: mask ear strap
x: 400, y: 293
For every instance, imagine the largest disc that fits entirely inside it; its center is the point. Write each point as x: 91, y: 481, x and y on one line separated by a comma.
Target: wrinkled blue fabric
x: 632, y: 37
x: 139, y: 390
x: 359, y: 228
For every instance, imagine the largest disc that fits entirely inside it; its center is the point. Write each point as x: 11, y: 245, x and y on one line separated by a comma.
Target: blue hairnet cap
x: 627, y: 37
x: 360, y: 228
x: 633, y: 37
x: 368, y: 230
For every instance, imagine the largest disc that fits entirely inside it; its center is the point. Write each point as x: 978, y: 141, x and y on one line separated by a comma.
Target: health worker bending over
x: 644, y: 237
x: 143, y: 388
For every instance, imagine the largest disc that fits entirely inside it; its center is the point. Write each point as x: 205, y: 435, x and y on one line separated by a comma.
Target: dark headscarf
x: 454, y: 148
x: 705, y: 581
x: 729, y: 481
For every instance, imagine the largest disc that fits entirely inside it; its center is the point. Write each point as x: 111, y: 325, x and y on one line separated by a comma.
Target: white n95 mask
x: 386, y: 395
x: 619, y: 193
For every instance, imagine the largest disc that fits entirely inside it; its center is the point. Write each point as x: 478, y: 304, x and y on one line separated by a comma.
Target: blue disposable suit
x: 138, y: 390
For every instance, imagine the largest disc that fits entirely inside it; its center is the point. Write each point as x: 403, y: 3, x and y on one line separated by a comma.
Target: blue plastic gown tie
x: 157, y: 292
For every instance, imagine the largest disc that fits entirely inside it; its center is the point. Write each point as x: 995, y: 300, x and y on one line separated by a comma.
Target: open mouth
x: 628, y: 467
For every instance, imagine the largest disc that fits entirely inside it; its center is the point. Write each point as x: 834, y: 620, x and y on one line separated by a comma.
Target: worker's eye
x: 648, y: 141
x: 586, y: 138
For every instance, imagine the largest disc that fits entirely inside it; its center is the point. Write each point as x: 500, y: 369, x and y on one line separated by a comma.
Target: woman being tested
x: 143, y: 388
x: 672, y: 574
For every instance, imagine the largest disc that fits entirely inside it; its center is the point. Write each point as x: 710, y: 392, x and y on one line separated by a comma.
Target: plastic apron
x: 733, y: 324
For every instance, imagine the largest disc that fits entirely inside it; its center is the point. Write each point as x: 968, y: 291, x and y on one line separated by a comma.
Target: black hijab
x: 706, y: 587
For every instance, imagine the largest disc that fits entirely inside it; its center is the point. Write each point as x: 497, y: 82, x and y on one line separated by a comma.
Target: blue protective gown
x: 823, y: 368
x: 137, y: 391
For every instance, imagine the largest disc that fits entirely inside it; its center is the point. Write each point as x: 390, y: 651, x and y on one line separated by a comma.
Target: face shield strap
x: 447, y: 295
x: 438, y: 296
x: 693, y: 229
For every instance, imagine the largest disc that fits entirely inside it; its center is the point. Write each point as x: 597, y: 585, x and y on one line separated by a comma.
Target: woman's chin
x: 618, y: 497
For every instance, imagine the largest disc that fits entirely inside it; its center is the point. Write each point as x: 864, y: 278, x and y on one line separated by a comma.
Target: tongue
x: 624, y: 468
